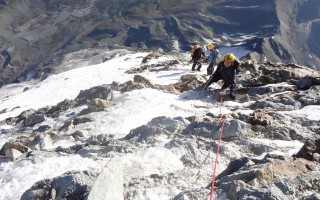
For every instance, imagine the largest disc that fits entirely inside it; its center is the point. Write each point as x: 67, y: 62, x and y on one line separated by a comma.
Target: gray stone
x: 13, y: 154
x: 102, y: 92
x: 34, y: 119
x: 40, y: 142
x: 109, y: 184
x: 304, y: 83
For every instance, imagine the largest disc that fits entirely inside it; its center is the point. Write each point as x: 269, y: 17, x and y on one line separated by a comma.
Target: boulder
x: 109, y: 184
x: 101, y: 92
x: 34, y: 119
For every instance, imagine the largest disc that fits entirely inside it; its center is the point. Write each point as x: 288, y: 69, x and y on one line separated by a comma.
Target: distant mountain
x: 35, y: 34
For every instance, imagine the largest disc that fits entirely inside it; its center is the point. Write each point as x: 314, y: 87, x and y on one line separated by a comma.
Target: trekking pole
x: 207, y: 83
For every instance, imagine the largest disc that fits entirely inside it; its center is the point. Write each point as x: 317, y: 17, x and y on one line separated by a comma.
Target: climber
x: 197, y: 54
x: 227, y: 71
x: 212, y: 55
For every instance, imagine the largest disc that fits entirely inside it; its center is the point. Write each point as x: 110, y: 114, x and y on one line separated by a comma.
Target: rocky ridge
x: 255, y: 168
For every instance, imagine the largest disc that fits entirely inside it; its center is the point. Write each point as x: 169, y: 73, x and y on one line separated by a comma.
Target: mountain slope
x: 37, y: 33
x: 58, y: 134
x: 297, y: 40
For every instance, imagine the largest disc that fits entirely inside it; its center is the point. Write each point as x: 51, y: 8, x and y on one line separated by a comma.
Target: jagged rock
x: 82, y: 120
x: 284, y: 101
x: 34, y: 119
x: 43, y: 128
x: 67, y: 125
x: 268, y: 73
x: 161, y: 66
x: 271, y: 180
x: 109, y: 183
x: 80, y: 133
x: 277, y: 132
x: 233, y: 129
x: 189, y: 82
x: 232, y: 167
x: 197, y: 118
x: 99, y: 139
x: 305, y: 83
x: 9, y: 145
x: 151, y: 56
x: 249, y: 65
x: 173, y: 125
x: 253, y: 90
x: 90, y: 109
x: 310, y: 150
x: 102, y: 103
x: 130, y: 85
x: 107, y: 146
x: 146, y: 134
x: 156, y: 127
x: 261, y: 118
x: 70, y: 185
x: 26, y: 114
x: 66, y: 104
x: 12, y: 120
x: 311, y: 196
x: 13, y: 154
x: 169, y: 89
x: 142, y: 80
x: 96, y: 105
x: 194, y: 151
x: 72, y: 149
x: 101, y: 92
x: 142, y: 69
x: 190, y: 77
x: 40, y: 142
x: 311, y: 96
x: 200, y: 193
x: 240, y: 190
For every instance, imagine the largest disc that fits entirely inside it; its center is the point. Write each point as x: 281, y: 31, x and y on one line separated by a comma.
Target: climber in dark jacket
x: 197, y: 54
x: 227, y: 71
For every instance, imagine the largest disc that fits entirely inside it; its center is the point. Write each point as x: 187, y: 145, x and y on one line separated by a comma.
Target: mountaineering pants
x: 196, y: 63
x: 231, y: 83
x: 210, y: 69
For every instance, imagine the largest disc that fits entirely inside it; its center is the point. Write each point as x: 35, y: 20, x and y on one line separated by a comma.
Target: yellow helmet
x: 210, y: 46
x: 230, y: 57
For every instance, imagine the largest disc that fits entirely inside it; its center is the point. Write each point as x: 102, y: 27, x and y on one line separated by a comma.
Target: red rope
x: 217, y: 154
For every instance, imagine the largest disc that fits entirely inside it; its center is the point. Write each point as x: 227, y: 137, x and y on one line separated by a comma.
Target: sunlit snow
x: 131, y: 110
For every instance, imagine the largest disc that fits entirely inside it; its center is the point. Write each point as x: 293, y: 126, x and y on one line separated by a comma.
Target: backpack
x: 217, y: 56
x: 194, y: 48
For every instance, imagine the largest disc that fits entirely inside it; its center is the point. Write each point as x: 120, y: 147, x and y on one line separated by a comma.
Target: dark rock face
x: 35, y: 34
x: 70, y: 185
x: 310, y: 150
